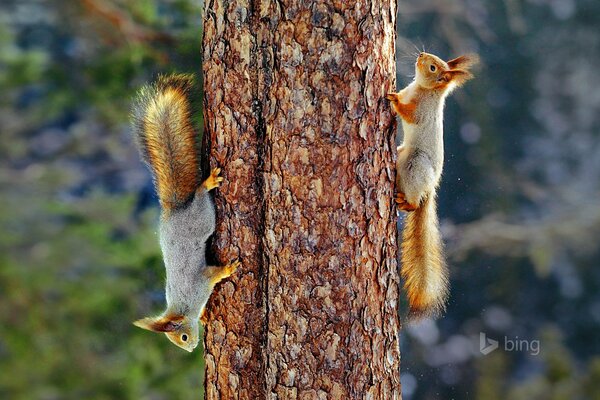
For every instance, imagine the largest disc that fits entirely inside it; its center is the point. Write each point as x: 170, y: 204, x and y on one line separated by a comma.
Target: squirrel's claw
x: 214, y: 180
x: 407, y: 207
x: 232, y: 267
x: 229, y: 269
x: 217, y: 274
x: 400, y: 198
x: 392, y: 97
x: 402, y: 204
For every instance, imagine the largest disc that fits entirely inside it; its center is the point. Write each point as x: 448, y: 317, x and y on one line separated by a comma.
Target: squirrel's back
x: 166, y: 138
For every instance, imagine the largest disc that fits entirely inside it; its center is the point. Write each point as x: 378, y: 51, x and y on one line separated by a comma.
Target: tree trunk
x: 296, y: 116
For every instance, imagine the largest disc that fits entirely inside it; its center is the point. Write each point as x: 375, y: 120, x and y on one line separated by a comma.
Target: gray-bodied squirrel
x: 168, y: 145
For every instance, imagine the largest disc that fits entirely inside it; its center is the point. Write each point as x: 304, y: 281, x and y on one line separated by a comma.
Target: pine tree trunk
x: 296, y: 116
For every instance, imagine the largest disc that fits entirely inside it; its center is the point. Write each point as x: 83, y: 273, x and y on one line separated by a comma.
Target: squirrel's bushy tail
x: 167, y: 141
x: 424, y: 269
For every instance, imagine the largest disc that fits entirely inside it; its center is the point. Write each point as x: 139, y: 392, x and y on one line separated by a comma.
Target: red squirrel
x: 419, y: 170
x: 168, y: 144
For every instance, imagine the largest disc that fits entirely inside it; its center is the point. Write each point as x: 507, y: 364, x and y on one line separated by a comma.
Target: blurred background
x: 519, y: 202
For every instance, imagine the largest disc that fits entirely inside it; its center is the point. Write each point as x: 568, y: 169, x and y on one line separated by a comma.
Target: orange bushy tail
x: 424, y: 269
x: 166, y: 138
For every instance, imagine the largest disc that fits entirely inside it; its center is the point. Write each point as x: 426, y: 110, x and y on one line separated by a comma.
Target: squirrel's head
x: 182, y: 331
x: 431, y: 72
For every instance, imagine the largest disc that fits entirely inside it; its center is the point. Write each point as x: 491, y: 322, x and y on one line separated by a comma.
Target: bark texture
x: 296, y: 116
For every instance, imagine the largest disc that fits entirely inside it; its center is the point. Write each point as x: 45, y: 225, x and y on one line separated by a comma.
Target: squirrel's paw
x: 203, y: 316
x: 230, y: 269
x: 214, y: 180
x: 217, y: 274
x: 403, y: 204
x: 392, y: 96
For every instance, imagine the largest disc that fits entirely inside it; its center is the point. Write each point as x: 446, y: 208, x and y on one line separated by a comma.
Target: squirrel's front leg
x: 203, y: 316
x: 217, y: 274
x: 405, y: 110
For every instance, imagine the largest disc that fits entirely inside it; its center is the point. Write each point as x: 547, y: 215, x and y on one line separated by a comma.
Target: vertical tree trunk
x: 296, y: 117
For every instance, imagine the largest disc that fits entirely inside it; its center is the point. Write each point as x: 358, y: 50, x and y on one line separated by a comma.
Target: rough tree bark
x: 295, y: 116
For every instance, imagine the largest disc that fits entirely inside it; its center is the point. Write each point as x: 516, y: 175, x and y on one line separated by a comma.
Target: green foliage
x: 73, y: 276
x: 79, y: 255
x: 489, y: 387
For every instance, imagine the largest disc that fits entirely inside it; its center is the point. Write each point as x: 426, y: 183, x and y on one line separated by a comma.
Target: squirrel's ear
x: 158, y: 324
x: 464, y: 62
x: 456, y: 76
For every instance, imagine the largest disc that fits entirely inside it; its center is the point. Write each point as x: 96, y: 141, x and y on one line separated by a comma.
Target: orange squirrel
x: 169, y: 146
x: 419, y: 170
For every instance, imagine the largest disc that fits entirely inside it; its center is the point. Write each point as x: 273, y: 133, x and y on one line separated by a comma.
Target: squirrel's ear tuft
x: 158, y: 324
x: 464, y: 62
x: 456, y: 76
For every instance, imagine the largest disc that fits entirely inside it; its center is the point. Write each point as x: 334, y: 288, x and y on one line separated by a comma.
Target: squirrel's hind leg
x: 416, y: 177
x: 400, y: 198
x: 213, y: 181
x: 403, y: 204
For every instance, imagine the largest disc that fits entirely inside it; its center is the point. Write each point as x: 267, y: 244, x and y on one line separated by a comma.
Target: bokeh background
x: 519, y: 202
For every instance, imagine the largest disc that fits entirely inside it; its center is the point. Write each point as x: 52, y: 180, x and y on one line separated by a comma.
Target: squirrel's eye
x: 432, y: 68
x: 184, y: 337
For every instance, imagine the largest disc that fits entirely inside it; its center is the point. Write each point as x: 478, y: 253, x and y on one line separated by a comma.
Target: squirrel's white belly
x: 420, y: 159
